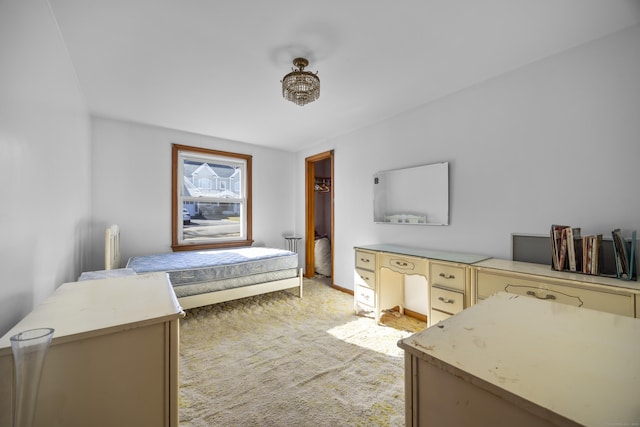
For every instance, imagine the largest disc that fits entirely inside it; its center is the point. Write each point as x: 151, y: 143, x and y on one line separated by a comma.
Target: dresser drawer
x: 600, y: 298
x: 366, y: 260
x: 447, y: 300
x: 450, y: 276
x: 548, y: 292
x: 403, y: 264
x: 367, y: 278
x: 364, y: 296
x: 438, y: 316
x: 617, y: 303
x: 488, y: 284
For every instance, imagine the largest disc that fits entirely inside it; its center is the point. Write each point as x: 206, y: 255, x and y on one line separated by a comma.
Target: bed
x: 207, y: 277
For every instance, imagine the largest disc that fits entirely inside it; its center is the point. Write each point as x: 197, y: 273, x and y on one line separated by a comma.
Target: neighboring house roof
x: 191, y: 189
x: 221, y: 171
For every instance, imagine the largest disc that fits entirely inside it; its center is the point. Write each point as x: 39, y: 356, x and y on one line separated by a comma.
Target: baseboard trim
x: 415, y: 315
x: 341, y: 289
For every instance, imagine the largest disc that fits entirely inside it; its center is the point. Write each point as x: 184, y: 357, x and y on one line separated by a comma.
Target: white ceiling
x: 214, y: 67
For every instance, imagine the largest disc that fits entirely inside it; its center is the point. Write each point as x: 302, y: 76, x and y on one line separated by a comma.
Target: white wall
x: 131, y: 175
x: 557, y: 141
x: 44, y: 161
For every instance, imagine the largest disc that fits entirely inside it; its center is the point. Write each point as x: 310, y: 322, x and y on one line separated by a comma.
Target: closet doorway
x: 319, y: 187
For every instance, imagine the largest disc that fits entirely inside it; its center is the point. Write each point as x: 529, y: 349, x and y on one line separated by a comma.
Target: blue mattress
x: 105, y: 274
x: 191, y: 267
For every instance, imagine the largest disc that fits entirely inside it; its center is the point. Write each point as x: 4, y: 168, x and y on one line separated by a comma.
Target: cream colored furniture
x: 392, y: 270
x: 378, y: 287
x: 512, y: 361
x: 365, y: 281
x: 449, y: 289
x: 541, y: 282
x: 113, y: 360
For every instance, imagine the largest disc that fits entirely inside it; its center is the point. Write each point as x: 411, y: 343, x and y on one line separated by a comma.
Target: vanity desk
x: 447, y: 276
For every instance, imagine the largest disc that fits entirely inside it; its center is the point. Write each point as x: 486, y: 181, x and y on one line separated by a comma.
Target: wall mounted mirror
x: 416, y: 195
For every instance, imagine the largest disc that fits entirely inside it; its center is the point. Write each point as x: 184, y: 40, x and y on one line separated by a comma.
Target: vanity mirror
x: 416, y: 195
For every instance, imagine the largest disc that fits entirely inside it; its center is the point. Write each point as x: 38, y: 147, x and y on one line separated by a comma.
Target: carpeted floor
x: 278, y: 360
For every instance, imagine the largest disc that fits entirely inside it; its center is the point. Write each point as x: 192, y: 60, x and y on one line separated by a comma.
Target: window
x: 211, y: 199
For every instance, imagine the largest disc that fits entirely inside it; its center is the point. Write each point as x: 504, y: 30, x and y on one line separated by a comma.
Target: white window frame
x: 180, y: 153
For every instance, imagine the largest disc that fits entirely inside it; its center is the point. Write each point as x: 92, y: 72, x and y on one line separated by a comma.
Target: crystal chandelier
x: 299, y: 86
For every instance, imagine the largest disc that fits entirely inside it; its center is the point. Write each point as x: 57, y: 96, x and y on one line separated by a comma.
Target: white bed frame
x: 112, y: 261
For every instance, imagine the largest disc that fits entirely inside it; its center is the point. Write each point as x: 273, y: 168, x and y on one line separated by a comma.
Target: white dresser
x: 113, y: 360
x: 456, y: 281
x: 541, y: 282
x: 516, y: 361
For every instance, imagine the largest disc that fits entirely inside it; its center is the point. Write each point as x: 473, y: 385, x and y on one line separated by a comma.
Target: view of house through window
x: 211, y: 197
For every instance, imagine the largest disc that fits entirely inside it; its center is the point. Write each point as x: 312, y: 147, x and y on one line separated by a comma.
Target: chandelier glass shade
x: 299, y: 86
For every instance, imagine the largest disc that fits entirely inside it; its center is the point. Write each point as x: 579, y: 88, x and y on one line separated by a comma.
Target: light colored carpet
x: 278, y: 360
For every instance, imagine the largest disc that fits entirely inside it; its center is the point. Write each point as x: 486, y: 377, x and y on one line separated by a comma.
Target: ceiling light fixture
x: 299, y: 86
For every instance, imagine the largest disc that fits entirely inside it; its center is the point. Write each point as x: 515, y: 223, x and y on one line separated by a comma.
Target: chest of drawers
x: 484, y: 367
x: 538, y: 281
x: 448, y: 289
x: 114, y: 356
x: 365, y: 282
x: 456, y: 281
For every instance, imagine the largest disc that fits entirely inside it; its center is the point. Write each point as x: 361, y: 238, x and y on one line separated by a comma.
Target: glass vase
x: 29, y: 351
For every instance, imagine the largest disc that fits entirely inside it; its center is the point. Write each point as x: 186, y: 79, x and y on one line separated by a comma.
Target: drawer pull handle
x: 447, y: 276
x: 446, y: 301
x: 548, y: 296
x: 365, y: 278
x: 400, y: 264
x: 365, y: 296
x: 364, y: 259
x: 516, y: 289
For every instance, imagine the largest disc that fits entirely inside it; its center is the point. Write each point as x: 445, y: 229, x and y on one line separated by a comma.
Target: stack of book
x: 565, y: 248
x: 591, y: 254
x: 572, y: 252
x: 624, y: 253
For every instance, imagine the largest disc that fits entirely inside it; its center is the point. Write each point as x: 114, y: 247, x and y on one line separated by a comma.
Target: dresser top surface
x: 577, y: 363
x: 100, y: 306
x: 459, y: 257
